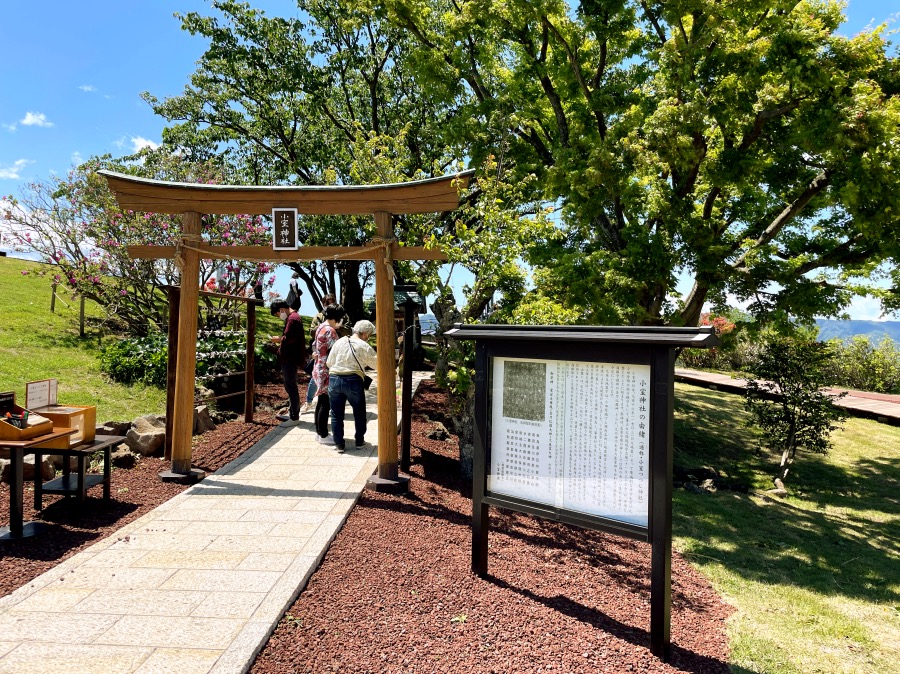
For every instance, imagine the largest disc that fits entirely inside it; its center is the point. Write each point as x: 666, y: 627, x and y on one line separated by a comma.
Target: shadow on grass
x: 844, y: 545
x: 774, y: 542
x: 69, y: 339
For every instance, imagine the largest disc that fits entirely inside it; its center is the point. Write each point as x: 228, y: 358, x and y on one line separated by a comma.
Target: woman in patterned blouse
x: 326, y: 336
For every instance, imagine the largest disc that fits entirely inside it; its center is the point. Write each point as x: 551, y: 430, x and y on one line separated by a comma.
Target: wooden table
x: 18, y: 528
x: 77, y: 485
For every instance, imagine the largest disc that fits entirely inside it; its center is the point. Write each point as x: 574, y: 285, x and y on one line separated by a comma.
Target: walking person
x: 343, y: 330
x: 294, y: 293
x: 347, y: 363
x: 326, y: 336
x: 291, y: 351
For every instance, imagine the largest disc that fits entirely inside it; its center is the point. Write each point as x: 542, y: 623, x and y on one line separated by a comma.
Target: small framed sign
x: 284, y: 229
x: 41, y: 393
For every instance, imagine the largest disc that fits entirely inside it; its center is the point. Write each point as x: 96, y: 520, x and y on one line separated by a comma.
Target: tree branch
x: 819, y: 183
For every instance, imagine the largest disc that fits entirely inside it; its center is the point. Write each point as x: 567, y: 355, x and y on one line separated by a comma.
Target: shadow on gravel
x: 93, y: 513
x: 64, y: 541
x: 685, y: 660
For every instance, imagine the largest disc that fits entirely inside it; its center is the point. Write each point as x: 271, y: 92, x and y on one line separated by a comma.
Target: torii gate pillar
x: 183, y: 403
x: 388, y: 478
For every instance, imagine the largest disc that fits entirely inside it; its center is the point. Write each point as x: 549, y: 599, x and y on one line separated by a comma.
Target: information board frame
x: 655, y: 347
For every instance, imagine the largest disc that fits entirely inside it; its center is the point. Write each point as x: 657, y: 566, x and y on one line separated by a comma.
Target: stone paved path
x: 197, y: 585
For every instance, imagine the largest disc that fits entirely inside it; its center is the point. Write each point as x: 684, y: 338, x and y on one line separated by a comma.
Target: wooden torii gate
x: 432, y: 195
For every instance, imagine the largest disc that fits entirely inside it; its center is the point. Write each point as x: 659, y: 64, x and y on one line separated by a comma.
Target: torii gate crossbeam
x: 382, y: 201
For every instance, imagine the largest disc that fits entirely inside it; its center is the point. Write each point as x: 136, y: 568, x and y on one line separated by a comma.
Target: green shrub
x: 860, y: 365
x: 786, y: 398
x: 136, y: 360
x: 144, y: 359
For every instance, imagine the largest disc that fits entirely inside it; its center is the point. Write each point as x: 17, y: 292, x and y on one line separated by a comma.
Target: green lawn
x: 37, y: 344
x: 815, y: 577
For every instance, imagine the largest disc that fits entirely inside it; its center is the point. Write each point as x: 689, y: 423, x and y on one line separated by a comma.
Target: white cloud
x: 9, y: 127
x: 35, y: 119
x: 88, y: 87
x: 138, y: 144
x: 13, y: 172
x: 77, y: 159
x: 867, y: 309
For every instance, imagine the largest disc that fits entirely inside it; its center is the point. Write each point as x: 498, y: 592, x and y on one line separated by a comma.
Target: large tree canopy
x: 743, y: 144
x: 329, y: 99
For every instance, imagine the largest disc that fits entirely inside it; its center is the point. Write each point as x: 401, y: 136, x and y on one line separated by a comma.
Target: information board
x: 572, y: 435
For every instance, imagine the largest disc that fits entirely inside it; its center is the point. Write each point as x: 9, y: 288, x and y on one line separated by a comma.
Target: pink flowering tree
x: 76, y: 226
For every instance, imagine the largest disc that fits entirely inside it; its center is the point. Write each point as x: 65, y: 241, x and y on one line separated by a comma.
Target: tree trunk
x: 352, y: 291
x: 693, y: 305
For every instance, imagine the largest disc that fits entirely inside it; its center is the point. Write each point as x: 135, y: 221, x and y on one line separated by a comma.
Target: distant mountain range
x: 830, y: 328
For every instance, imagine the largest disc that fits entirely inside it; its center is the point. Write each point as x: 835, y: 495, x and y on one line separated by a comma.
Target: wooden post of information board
x: 661, y: 429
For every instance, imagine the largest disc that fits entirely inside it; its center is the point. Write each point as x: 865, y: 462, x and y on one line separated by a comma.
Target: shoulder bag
x: 367, y: 380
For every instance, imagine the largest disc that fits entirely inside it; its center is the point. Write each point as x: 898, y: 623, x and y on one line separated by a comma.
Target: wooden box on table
x: 37, y: 425
x: 41, y: 397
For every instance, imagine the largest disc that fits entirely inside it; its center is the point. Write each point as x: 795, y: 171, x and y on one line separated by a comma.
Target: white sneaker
x: 305, y: 408
x: 327, y: 440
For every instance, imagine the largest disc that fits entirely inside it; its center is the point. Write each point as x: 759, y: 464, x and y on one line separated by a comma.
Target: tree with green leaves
x: 747, y: 146
x: 314, y: 101
x: 787, y: 398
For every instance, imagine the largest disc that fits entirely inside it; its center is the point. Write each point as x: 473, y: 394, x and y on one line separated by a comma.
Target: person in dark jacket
x: 291, y: 354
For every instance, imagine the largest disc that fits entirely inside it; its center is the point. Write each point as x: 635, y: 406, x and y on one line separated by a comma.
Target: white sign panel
x: 572, y: 435
x: 40, y: 393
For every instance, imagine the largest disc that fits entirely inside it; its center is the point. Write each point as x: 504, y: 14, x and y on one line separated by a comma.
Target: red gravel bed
x: 134, y: 491
x: 395, y: 594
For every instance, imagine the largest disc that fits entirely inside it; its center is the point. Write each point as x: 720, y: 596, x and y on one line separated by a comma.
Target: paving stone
x: 229, y: 605
x: 53, y: 599
x: 172, y: 632
x: 141, y: 602
x: 197, y: 559
x: 180, y: 661
x: 232, y: 580
x: 65, y: 657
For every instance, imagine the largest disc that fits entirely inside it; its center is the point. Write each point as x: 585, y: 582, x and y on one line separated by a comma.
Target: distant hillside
x: 874, y: 330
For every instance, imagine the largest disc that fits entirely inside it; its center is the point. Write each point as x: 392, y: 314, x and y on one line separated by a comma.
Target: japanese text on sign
x: 572, y: 435
x: 284, y: 228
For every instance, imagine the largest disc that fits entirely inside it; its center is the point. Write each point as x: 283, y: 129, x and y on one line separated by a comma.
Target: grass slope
x: 36, y: 344
x: 815, y: 576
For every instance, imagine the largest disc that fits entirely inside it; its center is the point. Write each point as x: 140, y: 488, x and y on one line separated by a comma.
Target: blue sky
x: 72, y: 75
